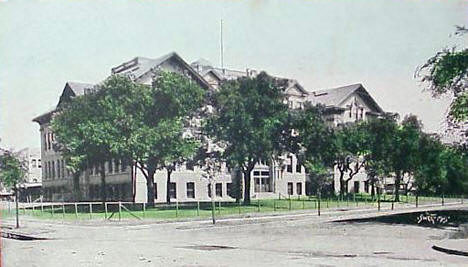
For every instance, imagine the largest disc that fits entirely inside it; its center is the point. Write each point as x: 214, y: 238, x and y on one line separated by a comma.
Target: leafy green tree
x: 447, y: 73
x: 249, y: 116
x: 316, y: 141
x: 12, y: 174
x: 404, y: 150
x: 378, y: 137
x: 84, y: 137
x: 349, y: 153
x: 431, y: 175
x: 152, y: 124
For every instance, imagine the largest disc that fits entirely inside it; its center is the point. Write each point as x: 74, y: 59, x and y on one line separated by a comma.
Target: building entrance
x: 262, y: 181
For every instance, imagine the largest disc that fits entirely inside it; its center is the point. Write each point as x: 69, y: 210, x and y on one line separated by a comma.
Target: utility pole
x: 16, y: 204
x: 221, y: 45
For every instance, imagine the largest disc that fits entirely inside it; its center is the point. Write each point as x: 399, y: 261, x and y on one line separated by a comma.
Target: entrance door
x: 262, y: 181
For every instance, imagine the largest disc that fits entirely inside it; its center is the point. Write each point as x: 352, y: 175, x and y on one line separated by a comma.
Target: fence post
x: 274, y: 204
x: 198, y: 208
x: 392, y: 204
x: 318, y: 205
x: 219, y: 207
x: 289, y: 203
x: 240, y: 206
x: 33, y: 210
x: 120, y: 211
x: 417, y: 201
x: 328, y: 200
x: 24, y: 208
x: 177, y: 208
x: 258, y: 205
x: 76, y: 211
x: 105, y: 210
x: 144, y: 210
x: 52, y: 210
x: 63, y: 210
x: 303, y: 204
x: 90, y: 210
x: 443, y: 199
x: 378, y: 202
x: 42, y: 207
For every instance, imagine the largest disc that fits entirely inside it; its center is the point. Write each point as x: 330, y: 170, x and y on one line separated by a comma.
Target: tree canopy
x: 249, y: 117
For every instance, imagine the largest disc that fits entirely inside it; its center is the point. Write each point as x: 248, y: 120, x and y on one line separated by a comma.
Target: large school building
x: 124, y: 183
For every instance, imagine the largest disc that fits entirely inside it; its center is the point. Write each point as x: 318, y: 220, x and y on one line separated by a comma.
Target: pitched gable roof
x: 139, y: 66
x: 79, y: 88
x: 336, y: 96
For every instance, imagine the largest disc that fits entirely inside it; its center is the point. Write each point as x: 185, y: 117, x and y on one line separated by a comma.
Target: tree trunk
x: 150, y: 187
x: 168, y: 186
x: 76, y: 186
x: 342, y: 186
x: 372, y: 189
x: 397, y: 186
x: 102, y: 172
x: 247, y: 186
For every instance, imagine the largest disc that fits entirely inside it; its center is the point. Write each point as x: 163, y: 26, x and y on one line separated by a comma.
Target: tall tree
x: 83, y: 136
x: 378, y: 137
x: 248, y: 116
x: 12, y: 174
x: 447, y: 73
x: 316, y: 141
x: 154, y: 125
x: 404, y: 150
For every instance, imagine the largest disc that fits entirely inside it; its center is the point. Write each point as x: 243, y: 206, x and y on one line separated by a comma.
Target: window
x: 155, y: 191
x: 366, y: 186
x: 39, y: 164
x: 356, y: 187
x: 298, y: 168
x: 229, y: 190
x: 48, y: 140
x: 53, y: 169
x: 190, y: 190
x: 308, y: 189
x: 58, y: 169
x: 189, y: 165
x: 290, y: 188
x: 219, y: 189
x: 299, y: 188
x: 172, y: 190
x: 49, y: 170
x: 109, y: 165
x: 289, y: 167
x: 117, y: 165
x: 124, y: 165
x: 209, y: 190
x: 45, y: 172
x: 63, y: 168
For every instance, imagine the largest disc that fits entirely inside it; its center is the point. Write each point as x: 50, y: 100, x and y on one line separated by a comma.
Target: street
x: 289, y: 240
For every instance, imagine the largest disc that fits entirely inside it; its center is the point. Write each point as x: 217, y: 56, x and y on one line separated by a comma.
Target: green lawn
x: 203, y: 209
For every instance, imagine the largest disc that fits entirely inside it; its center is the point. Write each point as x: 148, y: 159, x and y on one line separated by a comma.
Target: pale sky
x: 322, y: 44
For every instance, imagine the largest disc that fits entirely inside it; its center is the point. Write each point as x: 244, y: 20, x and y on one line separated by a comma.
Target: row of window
x: 291, y: 188
x: 190, y: 190
x: 55, y: 169
x: 49, y: 139
x: 289, y: 167
x: 113, y: 166
x: 36, y: 163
